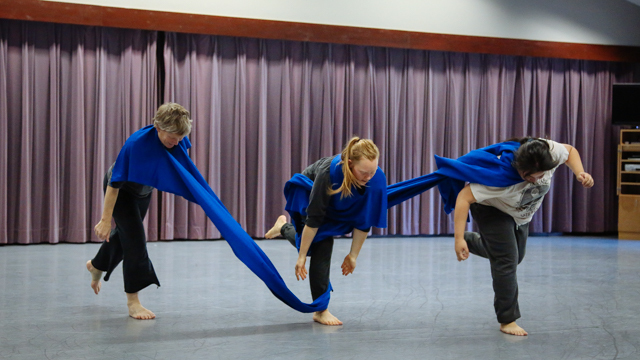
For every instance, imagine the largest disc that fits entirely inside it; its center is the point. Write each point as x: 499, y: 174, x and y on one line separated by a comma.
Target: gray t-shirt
x: 521, y: 200
x: 132, y: 188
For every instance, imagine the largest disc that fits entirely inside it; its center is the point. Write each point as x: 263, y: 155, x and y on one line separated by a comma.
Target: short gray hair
x: 173, y: 118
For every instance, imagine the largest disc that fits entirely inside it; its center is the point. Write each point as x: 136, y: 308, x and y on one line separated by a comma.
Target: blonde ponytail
x: 355, y: 150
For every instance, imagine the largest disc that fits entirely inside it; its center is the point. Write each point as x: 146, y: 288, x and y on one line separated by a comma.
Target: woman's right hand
x: 103, y: 230
x: 301, y: 271
x: 585, y: 179
x: 462, y: 249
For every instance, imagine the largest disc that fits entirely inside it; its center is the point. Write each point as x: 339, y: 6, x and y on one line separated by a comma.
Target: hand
x: 301, y: 271
x: 462, y: 250
x: 103, y: 230
x: 585, y: 179
x: 348, y: 265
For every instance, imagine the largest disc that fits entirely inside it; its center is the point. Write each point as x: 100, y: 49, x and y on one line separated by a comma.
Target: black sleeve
x: 319, y: 199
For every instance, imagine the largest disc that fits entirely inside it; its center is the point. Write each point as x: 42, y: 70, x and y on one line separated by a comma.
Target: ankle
x: 132, y: 299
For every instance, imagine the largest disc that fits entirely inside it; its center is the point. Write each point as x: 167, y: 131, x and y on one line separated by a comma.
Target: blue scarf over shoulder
x: 490, y: 166
x: 144, y: 160
x: 359, y: 211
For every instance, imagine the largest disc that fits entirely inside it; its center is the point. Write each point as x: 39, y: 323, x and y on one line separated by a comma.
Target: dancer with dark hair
x: 334, y: 196
x: 502, y: 215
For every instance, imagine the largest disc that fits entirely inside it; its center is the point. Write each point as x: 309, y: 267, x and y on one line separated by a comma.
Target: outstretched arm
x: 463, y: 202
x: 103, y: 228
x: 349, y: 263
x: 308, y: 233
x: 574, y: 162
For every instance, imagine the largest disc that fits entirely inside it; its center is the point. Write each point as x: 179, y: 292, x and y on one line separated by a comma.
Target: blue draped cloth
x: 490, y: 166
x: 144, y: 160
x: 360, y: 211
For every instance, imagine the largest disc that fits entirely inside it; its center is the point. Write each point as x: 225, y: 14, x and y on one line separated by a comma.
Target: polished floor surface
x: 408, y: 299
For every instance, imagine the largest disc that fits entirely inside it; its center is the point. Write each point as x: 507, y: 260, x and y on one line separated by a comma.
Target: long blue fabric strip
x: 490, y: 166
x: 144, y: 160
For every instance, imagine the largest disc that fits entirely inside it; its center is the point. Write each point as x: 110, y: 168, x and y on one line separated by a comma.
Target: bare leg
x: 513, y: 329
x: 136, y: 310
x: 96, y: 276
x: 275, y: 230
x: 326, y: 318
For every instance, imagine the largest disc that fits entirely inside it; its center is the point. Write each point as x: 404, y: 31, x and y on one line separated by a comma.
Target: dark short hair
x: 533, y: 155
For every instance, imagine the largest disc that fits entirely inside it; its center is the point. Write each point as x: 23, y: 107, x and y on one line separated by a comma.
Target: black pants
x: 320, y: 264
x: 128, y: 243
x: 503, y: 243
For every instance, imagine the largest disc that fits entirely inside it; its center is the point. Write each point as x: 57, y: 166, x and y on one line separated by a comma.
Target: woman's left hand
x: 585, y: 179
x: 348, y: 265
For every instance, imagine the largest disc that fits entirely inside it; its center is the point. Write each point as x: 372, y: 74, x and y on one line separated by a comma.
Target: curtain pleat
x: 69, y: 98
x: 265, y: 109
x: 285, y: 104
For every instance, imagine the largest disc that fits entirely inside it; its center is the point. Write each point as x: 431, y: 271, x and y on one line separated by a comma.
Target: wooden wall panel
x: 36, y: 10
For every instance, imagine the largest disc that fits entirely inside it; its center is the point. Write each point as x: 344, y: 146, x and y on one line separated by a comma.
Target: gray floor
x: 408, y: 299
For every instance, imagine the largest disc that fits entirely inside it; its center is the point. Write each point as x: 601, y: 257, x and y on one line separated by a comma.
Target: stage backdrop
x: 265, y: 109
x: 69, y: 97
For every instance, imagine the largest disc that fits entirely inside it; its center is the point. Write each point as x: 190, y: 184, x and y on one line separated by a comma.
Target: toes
x: 143, y: 315
x: 147, y: 316
x: 96, y: 287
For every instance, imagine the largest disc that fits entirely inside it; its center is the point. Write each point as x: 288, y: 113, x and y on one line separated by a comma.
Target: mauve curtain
x: 69, y: 97
x: 265, y: 109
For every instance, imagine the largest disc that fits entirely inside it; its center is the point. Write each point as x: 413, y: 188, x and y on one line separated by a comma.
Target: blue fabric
x: 144, y: 160
x: 343, y: 214
x: 490, y: 166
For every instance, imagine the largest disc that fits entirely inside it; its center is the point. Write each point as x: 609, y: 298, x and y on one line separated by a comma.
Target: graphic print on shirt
x: 531, y: 198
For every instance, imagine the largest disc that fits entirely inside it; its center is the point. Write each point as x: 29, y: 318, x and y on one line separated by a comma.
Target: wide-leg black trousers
x: 128, y: 243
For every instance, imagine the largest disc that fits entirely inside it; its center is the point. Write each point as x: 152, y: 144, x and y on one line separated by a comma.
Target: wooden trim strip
x: 56, y: 12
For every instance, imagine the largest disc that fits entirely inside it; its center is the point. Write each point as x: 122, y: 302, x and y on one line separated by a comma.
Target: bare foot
x: 96, y: 276
x: 326, y: 318
x: 513, y: 329
x: 136, y: 310
x: 275, y: 230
